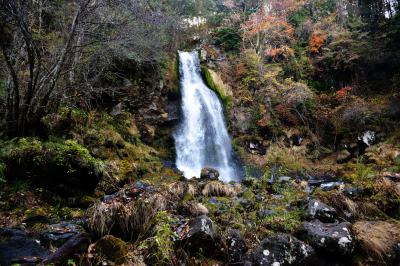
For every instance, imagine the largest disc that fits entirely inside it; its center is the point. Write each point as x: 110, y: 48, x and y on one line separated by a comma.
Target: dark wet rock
x: 296, y: 140
x: 174, y: 112
x: 199, y: 236
x: 111, y: 248
x: 316, y: 180
x: 236, y: 247
x: 255, y: 147
x: 36, y: 219
x: 117, y: 109
x: 368, y: 137
x: 17, y: 247
x: 209, y: 173
x: 334, y: 239
x: 319, y: 210
x: 57, y: 234
x: 331, y: 185
x: 75, y: 245
x: 283, y: 249
x: 351, y: 191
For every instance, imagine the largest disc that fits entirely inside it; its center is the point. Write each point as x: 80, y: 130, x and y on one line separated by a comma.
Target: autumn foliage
x: 317, y: 40
x: 267, y: 30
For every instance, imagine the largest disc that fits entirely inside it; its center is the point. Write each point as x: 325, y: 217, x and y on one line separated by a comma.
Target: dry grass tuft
x: 218, y: 189
x: 180, y: 189
x: 132, y: 220
x: 378, y: 237
x: 197, y: 209
x: 342, y: 204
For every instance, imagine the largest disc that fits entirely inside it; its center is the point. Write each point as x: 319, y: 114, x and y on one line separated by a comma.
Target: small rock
x: 319, y: 210
x: 296, y: 140
x: 209, y: 173
x: 117, y: 110
x: 334, y: 239
x: 57, y: 234
x: 256, y: 147
x: 368, y: 137
x: 331, y: 185
x: 283, y: 249
x: 353, y: 191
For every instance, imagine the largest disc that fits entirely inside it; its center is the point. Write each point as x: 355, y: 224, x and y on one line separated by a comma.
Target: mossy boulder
x: 64, y: 167
x: 112, y: 248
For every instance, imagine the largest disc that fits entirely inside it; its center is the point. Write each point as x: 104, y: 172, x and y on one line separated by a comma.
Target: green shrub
x: 229, y: 38
x: 63, y: 166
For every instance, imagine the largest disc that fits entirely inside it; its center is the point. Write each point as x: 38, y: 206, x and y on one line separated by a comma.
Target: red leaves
x: 343, y: 92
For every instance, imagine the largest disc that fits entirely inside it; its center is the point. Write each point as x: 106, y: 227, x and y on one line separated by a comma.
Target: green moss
x: 112, y: 248
x: 58, y: 165
x: 2, y: 172
x: 212, y: 85
x: 283, y: 220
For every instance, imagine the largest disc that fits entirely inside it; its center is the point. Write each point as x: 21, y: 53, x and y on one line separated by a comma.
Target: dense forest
x: 91, y: 103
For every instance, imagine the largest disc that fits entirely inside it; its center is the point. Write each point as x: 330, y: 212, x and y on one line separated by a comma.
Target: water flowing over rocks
x: 202, y: 139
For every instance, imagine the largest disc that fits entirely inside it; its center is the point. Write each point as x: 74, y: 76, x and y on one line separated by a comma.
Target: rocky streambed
x: 291, y: 221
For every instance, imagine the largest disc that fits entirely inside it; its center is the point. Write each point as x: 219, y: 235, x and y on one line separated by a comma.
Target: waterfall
x: 201, y: 139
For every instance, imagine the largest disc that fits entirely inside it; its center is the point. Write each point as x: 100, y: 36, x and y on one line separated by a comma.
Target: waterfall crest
x: 201, y: 139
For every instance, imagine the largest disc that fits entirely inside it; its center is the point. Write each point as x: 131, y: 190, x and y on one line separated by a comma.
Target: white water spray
x: 202, y: 139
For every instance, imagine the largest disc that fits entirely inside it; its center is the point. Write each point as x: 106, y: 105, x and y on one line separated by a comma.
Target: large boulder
x: 333, y: 239
x: 71, y: 249
x: 236, y: 246
x: 16, y: 247
x: 199, y: 236
x: 283, y: 249
x: 319, y: 210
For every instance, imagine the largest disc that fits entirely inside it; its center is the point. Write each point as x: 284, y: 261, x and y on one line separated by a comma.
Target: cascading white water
x: 202, y: 139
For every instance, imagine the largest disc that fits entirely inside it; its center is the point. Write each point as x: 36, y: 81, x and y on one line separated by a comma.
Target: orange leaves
x: 284, y: 52
x: 240, y: 69
x: 343, y: 92
x: 317, y: 40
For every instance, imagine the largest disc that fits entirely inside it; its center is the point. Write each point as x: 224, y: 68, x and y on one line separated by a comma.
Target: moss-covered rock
x: 214, y: 82
x: 112, y: 248
x: 61, y: 166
